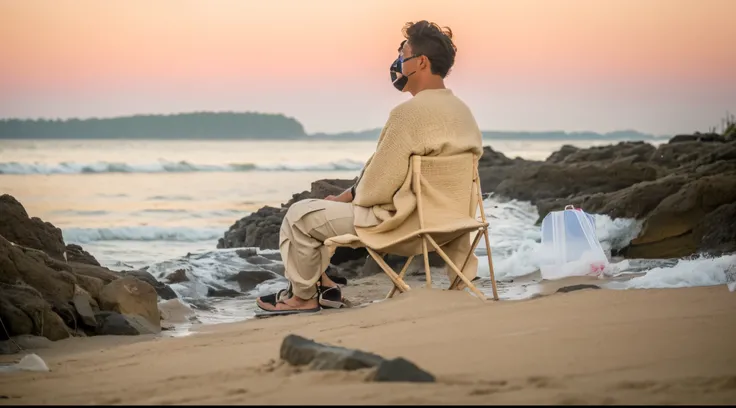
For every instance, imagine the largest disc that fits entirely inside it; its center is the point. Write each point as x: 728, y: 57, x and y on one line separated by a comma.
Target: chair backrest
x: 447, y: 188
x: 446, y: 191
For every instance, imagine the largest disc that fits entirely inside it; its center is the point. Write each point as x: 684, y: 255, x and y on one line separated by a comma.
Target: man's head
x: 425, y: 57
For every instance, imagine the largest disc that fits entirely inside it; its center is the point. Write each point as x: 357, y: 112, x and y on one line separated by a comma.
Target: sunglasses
x: 402, y: 59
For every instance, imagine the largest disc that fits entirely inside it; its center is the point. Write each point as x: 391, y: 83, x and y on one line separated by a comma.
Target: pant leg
x: 307, y: 224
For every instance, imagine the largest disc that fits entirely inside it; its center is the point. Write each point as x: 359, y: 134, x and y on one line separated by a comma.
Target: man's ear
x: 424, y: 62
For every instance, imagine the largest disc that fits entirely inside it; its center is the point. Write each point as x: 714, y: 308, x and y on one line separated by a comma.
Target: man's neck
x: 433, y: 82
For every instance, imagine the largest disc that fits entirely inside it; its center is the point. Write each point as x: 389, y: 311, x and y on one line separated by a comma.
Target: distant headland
x: 237, y: 126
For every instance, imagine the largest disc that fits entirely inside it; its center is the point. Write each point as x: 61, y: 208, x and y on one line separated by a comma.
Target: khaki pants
x: 308, y: 223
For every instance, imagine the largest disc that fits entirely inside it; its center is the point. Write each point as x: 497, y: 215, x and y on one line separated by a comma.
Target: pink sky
x: 659, y: 66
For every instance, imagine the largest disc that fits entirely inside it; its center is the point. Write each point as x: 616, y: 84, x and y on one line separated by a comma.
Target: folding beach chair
x: 446, y: 206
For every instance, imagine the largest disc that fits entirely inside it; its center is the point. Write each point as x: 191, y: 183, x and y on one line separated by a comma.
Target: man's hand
x: 345, y: 197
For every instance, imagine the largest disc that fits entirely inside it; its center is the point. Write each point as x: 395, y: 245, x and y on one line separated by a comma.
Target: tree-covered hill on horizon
x: 235, y: 126
x: 198, y: 125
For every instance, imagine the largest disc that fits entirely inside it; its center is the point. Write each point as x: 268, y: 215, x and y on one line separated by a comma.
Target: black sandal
x: 330, y: 297
x: 280, y: 297
x: 274, y: 298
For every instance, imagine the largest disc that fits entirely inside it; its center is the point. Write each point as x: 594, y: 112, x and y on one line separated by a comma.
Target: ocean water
x: 162, y: 205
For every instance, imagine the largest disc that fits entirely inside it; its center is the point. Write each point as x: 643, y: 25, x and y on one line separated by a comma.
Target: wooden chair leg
x: 401, y: 275
x: 490, y: 264
x: 427, y: 271
x: 454, y: 268
x: 398, y: 282
x: 467, y: 258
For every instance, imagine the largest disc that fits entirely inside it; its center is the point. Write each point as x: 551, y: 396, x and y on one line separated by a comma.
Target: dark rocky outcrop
x: 17, y: 227
x: 42, y: 293
x: 680, y: 190
x: 75, y: 253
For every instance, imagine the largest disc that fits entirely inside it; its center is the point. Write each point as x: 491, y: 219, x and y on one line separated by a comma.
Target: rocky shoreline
x: 683, y: 191
x: 53, y: 290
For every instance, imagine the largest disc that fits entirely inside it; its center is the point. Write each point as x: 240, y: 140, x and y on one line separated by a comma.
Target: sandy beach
x: 659, y: 346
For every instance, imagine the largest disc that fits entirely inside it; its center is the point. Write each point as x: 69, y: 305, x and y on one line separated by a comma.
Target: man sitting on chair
x: 434, y: 122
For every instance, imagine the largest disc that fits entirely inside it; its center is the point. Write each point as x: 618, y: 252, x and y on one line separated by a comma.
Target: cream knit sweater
x: 433, y: 123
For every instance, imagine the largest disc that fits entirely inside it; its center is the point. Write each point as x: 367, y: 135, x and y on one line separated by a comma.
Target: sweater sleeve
x: 389, y: 165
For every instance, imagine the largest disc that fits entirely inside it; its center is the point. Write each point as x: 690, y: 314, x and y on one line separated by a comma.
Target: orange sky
x: 660, y: 66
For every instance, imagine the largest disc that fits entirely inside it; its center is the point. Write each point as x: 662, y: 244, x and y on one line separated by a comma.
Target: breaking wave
x: 164, y: 166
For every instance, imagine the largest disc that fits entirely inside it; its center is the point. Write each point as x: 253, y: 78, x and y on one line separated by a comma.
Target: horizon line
x: 133, y: 115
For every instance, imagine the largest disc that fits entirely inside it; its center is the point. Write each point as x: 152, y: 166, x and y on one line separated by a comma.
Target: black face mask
x: 399, y: 82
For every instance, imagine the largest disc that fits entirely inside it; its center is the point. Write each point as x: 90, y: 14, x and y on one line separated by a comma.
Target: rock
x: 161, y: 288
x: 178, y: 276
x: 131, y: 296
x: 17, y: 227
x: 14, y: 320
x: 298, y: 351
x: 115, y: 324
x: 25, y: 342
x: 716, y: 232
x: 672, y: 156
x: 560, y: 155
x: 83, y: 304
x: 43, y: 294
x: 24, y: 311
x: 548, y: 180
x: 708, y: 137
x: 8, y: 347
x: 75, y: 253
x: 277, y: 268
x: 258, y: 260
x: 572, y: 288
x: 248, y: 280
x: 400, y: 370
x: 491, y: 157
x: 38, y: 291
x: 259, y: 229
x: 222, y: 292
x: 98, y: 272
x: 668, y: 229
x: 91, y: 285
x: 175, y: 311
x: 630, y: 152
x: 494, y: 167
x: 636, y: 201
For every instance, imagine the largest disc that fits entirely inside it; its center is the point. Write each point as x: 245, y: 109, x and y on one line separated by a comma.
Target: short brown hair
x: 434, y: 42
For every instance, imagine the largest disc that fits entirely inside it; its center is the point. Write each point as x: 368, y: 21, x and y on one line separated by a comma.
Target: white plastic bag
x: 29, y: 362
x: 570, y: 246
